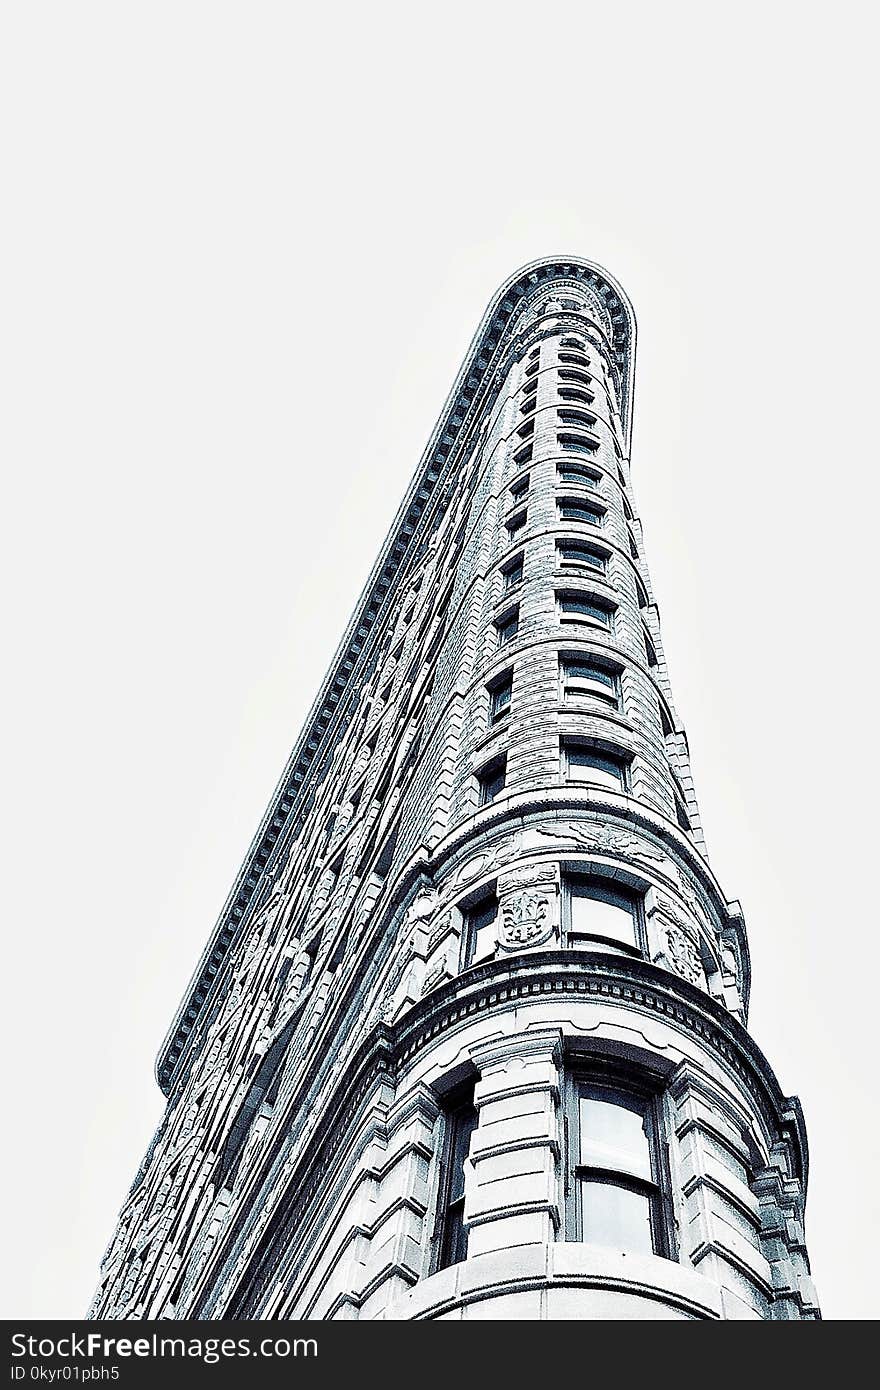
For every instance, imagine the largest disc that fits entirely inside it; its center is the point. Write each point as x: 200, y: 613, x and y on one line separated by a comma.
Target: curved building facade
x: 469, y: 1039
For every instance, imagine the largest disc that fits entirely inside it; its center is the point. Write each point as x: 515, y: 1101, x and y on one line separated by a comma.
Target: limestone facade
x: 470, y: 1037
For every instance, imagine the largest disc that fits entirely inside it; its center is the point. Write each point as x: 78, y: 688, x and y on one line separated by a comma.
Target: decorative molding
x: 526, y: 920
x: 480, y: 376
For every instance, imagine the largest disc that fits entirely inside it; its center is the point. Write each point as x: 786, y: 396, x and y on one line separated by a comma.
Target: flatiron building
x: 469, y: 1039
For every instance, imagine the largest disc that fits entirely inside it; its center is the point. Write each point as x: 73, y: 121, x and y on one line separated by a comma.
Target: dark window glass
x: 499, y: 699
x: 576, y: 417
x: 492, y: 780
x: 461, y: 1121
x: 571, y: 472
x: 584, y: 764
x: 576, y: 510
x: 520, y: 488
x: 584, y: 676
x: 577, y: 443
x: 513, y: 573
x: 480, y: 931
x: 578, y: 555
x: 586, y: 607
x: 516, y: 523
x: 508, y: 626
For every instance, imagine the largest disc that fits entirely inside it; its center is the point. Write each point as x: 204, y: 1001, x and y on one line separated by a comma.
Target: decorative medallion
x: 526, y: 920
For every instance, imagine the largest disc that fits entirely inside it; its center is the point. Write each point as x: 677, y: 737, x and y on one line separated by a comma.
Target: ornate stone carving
x: 607, y: 839
x: 683, y: 953
x: 422, y: 908
x: 526, y: 920
x: 441, y: 927
x: 530, y: 876
x: 489, y: 860
x: 435, y: 974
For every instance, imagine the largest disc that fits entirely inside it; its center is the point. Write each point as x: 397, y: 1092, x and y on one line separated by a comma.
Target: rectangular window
x: 650, y: 651
x: 519, y: 489
x: 574, y: 395
x: 582, y: 763
x: 576, y: 509
x: 516, y: 523
x: 616, y: 1184
x: 569, y: 416
x: 585, y: 608
x: 460, y: 1123
x: 577, y: 443
x: 580, y: 555
x: 507, y: 626
x: 513, y: 573
x: 523, y: 455
x: 500, y: 695
x: 598, y: 910
x: 480, y: 932
x: 491, y: 780
x: 580, y: 378
x: 571, y: 472
x: 586, y: 675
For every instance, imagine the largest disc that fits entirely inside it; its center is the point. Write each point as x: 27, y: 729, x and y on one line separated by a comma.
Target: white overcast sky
x: 244, y: 249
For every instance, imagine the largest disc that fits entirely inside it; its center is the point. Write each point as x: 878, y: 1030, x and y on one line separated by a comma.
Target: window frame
x: 506, y: 625
x: 580, y: 474
x: 469, y: 911
x: 577, y: 443
x: 512, y: 572
x: 609, y: 690
x: 567, y: 746
x: 579, y: 548
x: 515, y: 523
x: 518, y: 488
x: 485, y: 775
x: 575, y: 509
x: 598, y: 601
x: 612, y: 888
x: 589, y: 1077
x: 502, y: 682
x: 458, y: 1109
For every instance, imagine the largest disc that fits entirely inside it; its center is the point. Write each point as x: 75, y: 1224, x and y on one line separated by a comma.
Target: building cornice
x: 536, y: 976
x: 478, y: 380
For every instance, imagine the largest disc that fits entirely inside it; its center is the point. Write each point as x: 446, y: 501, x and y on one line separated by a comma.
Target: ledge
x: 582, y: 1269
